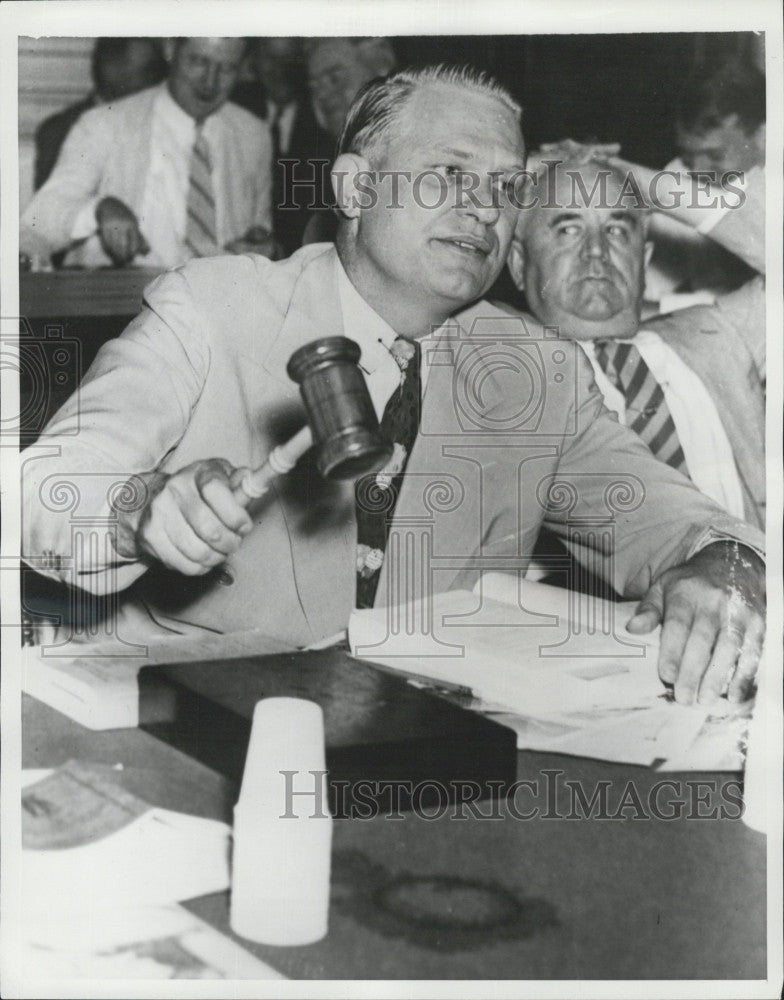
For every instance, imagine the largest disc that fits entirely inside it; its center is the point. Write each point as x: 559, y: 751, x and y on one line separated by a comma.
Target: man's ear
x: 350, y: 175
x: 647, y: 254
x: 515, y: 262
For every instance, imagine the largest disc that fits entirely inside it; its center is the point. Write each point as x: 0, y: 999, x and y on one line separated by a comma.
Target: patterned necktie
x: 647, y: 412
x: 200, y: 228
x: 376, y: 494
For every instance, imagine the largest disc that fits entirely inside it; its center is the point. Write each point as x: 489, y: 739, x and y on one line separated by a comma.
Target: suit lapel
x: 313, y: 312
x: 724, y: 375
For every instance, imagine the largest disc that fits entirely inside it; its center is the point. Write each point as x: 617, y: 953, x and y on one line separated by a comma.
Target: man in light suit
x: 196, y: 389
x: 170, y: 173
x: 119, y: 67
x: 580, y: 259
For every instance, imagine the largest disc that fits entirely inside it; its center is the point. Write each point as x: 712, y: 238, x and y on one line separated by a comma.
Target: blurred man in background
x: 119, y: 67
x: 337, y: 69
x: 301, y: 150
x: 167, y: 174
x: 691, y: 385
x: 720, y: 127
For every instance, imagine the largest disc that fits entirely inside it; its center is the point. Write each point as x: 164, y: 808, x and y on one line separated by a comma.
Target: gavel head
x: 340, y: 412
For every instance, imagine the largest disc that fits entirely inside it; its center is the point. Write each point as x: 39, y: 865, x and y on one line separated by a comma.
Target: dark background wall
x: 608, y: 87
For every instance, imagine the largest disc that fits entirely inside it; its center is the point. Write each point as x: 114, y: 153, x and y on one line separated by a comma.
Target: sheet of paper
x: 99, y: 689
x: 90, y: 845
x: 557, y: 668
x: 165, y: 942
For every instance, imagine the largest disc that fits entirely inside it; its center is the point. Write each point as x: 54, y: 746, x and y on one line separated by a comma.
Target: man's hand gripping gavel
x: 193, y: 519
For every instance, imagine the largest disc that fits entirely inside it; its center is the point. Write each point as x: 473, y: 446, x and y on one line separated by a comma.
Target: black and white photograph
x: 391, y: 499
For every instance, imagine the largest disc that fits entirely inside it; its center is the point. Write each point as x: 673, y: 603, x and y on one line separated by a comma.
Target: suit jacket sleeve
x: 74, y: 181
x: 743, y: 312
x: 742, y: 230
x: 49, y: 138
x: 659, y: 518
x: 130, y: 411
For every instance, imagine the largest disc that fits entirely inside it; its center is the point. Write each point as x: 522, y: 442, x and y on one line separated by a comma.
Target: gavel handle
x: 281, y: 460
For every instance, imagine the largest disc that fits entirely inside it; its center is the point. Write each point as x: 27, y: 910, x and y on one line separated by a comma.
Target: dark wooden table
x: 65, y: 318
x: 110, y: 291
x: 502, y: 898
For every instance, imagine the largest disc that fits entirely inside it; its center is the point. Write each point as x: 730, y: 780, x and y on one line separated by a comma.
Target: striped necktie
x: 376, y: 494
x: 647, y: 412
x: 200, y: 228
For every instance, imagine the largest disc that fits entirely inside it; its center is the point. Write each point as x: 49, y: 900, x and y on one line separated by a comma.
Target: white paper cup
x: 282, y: 828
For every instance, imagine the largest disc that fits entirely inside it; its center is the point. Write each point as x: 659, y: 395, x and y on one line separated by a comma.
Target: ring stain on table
x: 443, y: 913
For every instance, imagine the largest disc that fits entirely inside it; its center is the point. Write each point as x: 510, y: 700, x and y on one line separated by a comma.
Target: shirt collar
x: 363, y: 324
x: 180, y: 122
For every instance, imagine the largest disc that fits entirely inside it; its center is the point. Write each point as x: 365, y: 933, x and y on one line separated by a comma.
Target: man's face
x: 139, y: 68
x: 441, y: 246
x: 276, y: 68
x: 203, y: 72
x: 335, y: 74
x: 583, y: 262
x: 726, y: 147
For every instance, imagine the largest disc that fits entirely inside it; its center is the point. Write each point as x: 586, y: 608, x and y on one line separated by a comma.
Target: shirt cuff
x: 85, y: 223
x: 750, y: 538
x: 714, y: 216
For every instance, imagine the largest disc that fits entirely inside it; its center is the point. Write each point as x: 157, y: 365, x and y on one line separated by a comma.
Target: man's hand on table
x: 189, y: 521
x: 118, y: 231
x: 712, y: 613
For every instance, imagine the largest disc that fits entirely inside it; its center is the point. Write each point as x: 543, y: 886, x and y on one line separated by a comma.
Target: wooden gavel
x: 342, y: 422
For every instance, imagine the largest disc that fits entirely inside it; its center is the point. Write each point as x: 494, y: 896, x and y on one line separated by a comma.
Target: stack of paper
x: 89, y: 845
x: 99, y: 689
x: 557, y: 667
x: 161, y: 942
x: 101, y: 870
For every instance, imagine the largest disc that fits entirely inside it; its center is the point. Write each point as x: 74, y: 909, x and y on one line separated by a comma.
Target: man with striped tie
x: 168, y: 174
x: 196, y: 390
x: 690, y: 385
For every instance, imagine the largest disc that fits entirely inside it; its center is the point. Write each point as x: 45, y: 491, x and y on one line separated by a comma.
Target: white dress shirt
x: 362, y: 324
x: 162, y: 218
x: 701, y: 433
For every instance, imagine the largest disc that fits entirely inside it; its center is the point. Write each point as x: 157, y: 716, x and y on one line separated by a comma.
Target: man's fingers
x: 118, y: 244
x: 156, y: 542
x: 742, y: 682
x: 138, y: 244
x: 218, y: 494
x: 194, y: 522
x: 722, y: 665
x: 178, y: 528
x: 695, y: 660
x: 674, y: 635
x: 649, y: 612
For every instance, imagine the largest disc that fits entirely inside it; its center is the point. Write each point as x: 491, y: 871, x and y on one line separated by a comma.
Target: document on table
x: 89, y: 845
x: 556, y: 666
x: 101, y: 871
x: 98, y: 688
x: 144, y: 942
